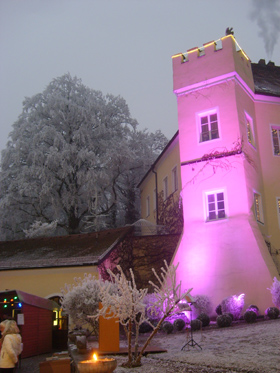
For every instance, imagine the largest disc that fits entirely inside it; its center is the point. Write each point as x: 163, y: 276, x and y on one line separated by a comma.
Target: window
x: 165, y: 188
x: 250, y: 130
x: 174, y: 179
x: 258, y: 208
x: 275, y: 131
x: 215, y: 202
x: 209, y: 127
x: 148, y: 206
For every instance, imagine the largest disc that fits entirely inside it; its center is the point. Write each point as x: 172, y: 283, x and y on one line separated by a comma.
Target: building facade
x: 229, y: 137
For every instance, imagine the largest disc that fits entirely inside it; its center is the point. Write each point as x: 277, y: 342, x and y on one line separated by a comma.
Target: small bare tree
x: 127, y: 305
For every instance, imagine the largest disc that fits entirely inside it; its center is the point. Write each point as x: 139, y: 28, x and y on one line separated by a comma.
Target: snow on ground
x: 240, y: 348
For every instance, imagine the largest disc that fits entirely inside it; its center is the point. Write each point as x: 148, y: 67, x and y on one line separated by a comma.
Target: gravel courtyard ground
x: 250, y: 348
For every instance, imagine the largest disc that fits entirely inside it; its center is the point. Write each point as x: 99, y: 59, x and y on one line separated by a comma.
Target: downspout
x: 153, y: 170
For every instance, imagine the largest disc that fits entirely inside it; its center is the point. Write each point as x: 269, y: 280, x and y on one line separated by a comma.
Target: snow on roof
x: 266, y: 78
x: 62, y: 251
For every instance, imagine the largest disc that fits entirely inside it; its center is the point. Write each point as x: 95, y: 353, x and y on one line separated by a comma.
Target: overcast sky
x: 123, y: 47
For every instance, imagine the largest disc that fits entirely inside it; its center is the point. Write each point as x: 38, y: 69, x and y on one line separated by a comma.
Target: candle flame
x: 94, y: 357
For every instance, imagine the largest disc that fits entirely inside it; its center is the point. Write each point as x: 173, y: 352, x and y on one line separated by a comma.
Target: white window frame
x: 165, y: 188
x: 275, y: 146
x: 218, y: 209
x: 148, y: 207
x: 202, y: 134
x: 258, y: 207
x: 250, y: 130
x: 175, y: 181
x: 278, y: 209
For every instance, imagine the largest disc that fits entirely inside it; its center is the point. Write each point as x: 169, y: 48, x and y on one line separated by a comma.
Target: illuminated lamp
x: 20, y: 305
x: 12, y: 300
x: 5, y: 300
x: 15, y: 297
x: 5, y: 305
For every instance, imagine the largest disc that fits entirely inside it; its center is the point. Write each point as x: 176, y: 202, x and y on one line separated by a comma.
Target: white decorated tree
x: 74, y: 156
x: 275, y: 292
x: 81, y: 299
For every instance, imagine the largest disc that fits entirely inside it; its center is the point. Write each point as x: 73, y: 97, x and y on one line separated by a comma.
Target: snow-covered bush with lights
x: 275, y: 292
x: 233, y: 304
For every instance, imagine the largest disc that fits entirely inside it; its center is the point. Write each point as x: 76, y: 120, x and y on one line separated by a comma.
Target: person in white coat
x: 11, y: 347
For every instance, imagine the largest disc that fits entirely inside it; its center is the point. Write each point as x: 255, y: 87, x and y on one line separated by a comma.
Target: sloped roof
x: 62, y: 251
x: 32, y: 300
x: 266, y: 78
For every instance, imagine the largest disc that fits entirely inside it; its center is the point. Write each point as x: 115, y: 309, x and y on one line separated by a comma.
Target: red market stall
x: 34, y: 316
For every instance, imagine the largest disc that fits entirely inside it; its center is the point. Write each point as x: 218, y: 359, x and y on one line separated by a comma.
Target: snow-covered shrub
x: 167, y: 327
x: 250, y: 316
x: 233, y: 304
x: 204, y: 318
x: 202, y: 304
x: 196, y: 325
x: 224, y: 321
x: 272, y: 312
x: 179, y: 324
x: 253, y: 308
x: 275, y: 292
x: 82, y: 299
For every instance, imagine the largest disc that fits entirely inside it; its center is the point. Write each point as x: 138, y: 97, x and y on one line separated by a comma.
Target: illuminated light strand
x: 197, y: 49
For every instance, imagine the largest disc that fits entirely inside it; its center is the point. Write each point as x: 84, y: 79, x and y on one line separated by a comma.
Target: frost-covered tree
x: 74, y: 156
x: 128, y: 305
x: 275, y: 292
x: 81, y: 299
x: 39, y: 229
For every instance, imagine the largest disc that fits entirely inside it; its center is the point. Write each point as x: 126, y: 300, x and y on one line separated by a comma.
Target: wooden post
x: 109, y: 334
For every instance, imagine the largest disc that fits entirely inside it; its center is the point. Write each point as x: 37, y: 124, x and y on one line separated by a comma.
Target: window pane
x: 212, y: 215
x: 213, y: 118
x: 211, y: 207
x: 221, y: 205
x: 275, y: 139
x: 221, y: 214
x: 211, y: 198
x: 204, y: 120
x: 220, y: 196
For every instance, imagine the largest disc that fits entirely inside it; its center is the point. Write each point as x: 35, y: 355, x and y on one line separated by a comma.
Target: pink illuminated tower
x: 229, y: 128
